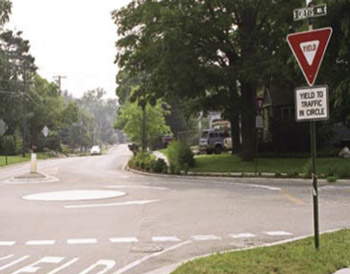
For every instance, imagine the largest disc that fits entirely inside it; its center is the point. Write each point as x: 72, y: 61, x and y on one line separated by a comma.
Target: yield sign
x: 308, y: 48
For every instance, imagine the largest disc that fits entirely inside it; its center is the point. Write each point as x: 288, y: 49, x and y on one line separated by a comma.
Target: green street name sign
x: 310, y: 12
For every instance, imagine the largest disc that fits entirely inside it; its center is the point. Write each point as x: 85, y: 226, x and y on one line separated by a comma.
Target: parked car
x: 212, y: 141
x: 95, y: 150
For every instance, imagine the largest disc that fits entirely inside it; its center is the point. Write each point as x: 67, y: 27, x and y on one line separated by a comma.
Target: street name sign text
x: 310, y: 12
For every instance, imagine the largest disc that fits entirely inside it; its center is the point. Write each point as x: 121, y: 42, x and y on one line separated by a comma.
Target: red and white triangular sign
x: 308, y: 48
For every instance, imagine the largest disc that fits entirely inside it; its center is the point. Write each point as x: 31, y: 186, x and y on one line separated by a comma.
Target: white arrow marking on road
x: 142, y: 202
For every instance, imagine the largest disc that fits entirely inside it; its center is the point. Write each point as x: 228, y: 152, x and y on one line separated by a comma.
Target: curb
x: 170, y: 268
x: 45, y: 179
x: 194, y: 175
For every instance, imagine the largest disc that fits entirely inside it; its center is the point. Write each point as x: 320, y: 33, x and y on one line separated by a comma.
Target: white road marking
x: 41, y: 242
x: 74, y: 195
x: 165, y: 239
x: 278, y: 233
x: 124, y: 240
x: 13, y: 263
x: 58, y: 269
x: 34, y: 266
x: 259, y: 186
x: 7, y: 243
x: 81, y: 241
x: 6, y: 257
x: 107, y: 264
x: 138, y: 186
x: 142, y: 202
x: 205, y: 238
x: 143, y: 259
x: 242, y: 235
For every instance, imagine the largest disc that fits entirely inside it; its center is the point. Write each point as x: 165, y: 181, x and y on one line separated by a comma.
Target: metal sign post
x: 311, y: 103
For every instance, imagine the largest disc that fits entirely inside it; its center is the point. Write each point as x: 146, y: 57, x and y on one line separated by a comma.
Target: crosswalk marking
x: 41, y: 242
x: 7, y: 243
x: 81, y: 241
x: 124, y: 240
x: 34, y: 267
x: 165, y: 239
x: 242, y: 235
x: 117, y: 240
x: 205, y: 237
x: 278, y: 233
x: 58, y: 269
x: 13, y: 263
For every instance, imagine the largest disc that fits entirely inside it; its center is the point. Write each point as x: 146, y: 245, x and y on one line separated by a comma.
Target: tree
x: 130, y: 121
x: 221, y: 51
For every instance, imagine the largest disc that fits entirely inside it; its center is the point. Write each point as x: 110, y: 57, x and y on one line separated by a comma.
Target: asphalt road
x: 99, y: 218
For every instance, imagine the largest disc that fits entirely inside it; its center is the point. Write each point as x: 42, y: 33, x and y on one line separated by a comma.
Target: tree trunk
x: 235, y: 133
x: 248, y: 122
x: 144, y: 131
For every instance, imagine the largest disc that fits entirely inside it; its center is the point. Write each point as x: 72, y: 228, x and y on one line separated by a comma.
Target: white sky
x: 72, y: 38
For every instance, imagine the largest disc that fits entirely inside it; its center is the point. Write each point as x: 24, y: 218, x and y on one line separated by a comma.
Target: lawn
x: 292, y: 258
x: 19, y: 159
x: 232, y: 163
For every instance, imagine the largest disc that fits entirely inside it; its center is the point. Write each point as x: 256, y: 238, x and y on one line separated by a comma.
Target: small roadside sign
x: 46, y: 131
x: 310, y: 12
x: 311, y: 103
x: 308, y: 48
x: 3, y: 127
x: 259, y: 122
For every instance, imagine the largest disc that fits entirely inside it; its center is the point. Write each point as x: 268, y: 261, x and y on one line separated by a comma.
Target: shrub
x: 11, y: 144
x: 180, y: 157
x: 159, y: 166
x: 343, y: 172
x: 143, y: 161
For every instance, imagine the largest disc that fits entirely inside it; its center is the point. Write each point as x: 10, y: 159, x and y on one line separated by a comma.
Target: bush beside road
x: 296, y: 257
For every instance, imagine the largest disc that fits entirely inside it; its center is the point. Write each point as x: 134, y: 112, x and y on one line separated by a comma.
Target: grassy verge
x: 19, y: 159
x: 232, y: 163
x: 297, y: 257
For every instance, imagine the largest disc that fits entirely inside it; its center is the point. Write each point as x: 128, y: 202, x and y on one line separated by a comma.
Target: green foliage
x: 180, y: 157
x: 130, y: 117
x: 291, y: 258
x: 159, y: 166
x: 11, y: 144
x: 148, y: 162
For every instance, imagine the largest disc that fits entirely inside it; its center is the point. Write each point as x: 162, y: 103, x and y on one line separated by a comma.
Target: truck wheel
x: 218, y: 150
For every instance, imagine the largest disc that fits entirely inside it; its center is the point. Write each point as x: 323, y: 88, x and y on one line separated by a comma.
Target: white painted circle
x: 74, y: 195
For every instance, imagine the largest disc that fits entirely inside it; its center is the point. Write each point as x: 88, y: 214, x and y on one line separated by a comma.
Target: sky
x: 72, y: 38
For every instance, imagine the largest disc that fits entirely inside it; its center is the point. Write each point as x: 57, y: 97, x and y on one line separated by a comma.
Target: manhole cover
x: 147, y: 248
x: 74, y: 195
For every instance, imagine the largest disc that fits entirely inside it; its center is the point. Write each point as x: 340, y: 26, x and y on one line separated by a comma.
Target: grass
x: 19, y: 159
x: 232, y: 163
x: 298, y: 257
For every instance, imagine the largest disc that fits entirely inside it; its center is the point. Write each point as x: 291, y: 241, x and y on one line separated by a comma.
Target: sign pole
x: 313, y: 173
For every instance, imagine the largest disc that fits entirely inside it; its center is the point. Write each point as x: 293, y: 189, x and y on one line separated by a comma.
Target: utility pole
x: 24, y: 102
x: 58, y: 79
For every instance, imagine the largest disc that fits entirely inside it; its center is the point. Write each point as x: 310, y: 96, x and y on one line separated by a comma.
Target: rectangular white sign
x: 311, y: 103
